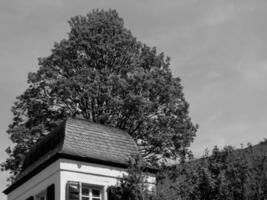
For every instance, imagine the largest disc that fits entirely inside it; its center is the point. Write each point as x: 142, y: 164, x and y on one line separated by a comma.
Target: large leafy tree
x: 102, y: 73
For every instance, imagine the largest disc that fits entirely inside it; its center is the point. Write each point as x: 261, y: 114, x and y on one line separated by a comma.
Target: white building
x: 78, y: 161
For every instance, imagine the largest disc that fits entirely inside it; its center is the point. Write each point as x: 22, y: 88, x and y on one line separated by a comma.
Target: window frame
x: 90, y: 195
x: 90, y: 187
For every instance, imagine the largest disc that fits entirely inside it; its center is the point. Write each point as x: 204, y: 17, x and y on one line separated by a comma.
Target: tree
x: 102, y: 73
x: 133, y: 185
x: 226, y: 174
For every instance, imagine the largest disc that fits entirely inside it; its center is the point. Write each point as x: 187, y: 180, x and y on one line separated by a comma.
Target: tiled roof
x: 81, y: 140
x: 86, y: 139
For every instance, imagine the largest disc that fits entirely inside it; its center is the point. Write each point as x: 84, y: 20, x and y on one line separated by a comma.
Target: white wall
x: 64, y: 170
x: 38, y: 183
x: 94, y: 174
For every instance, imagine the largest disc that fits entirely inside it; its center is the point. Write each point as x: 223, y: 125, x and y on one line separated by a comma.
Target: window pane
x: 73, y: 191
x: 85, y: 190
x: 96, y: 193
x: 96, y: 199
x: 85, y: 198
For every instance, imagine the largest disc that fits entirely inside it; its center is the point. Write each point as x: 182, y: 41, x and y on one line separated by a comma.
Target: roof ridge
x: 95, y: 123
x: 105, y: 126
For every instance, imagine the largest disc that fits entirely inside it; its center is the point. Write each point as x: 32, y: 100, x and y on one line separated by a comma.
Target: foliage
x: 103, y: 74
x: 133, y: 185
x: 226, y: 174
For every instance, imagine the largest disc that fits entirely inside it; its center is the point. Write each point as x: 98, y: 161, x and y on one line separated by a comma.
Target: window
x: 90, y: 193
x: 47, y: 194
x: 83, y: 191
x: 73, y: 191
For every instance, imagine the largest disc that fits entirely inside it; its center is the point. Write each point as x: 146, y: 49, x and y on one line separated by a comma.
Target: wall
x: 38, y: 183
x: 64, y: 170
x: 98, y: 175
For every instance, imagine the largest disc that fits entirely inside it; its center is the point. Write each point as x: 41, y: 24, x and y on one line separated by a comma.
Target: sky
x: 218, y: 48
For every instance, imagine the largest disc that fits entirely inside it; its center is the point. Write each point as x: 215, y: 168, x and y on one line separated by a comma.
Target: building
x: 77, y: 161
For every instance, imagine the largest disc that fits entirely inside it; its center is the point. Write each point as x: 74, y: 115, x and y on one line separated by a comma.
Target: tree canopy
x: 102, y: 73
x: 227, y: 174
x: 134, y: 185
